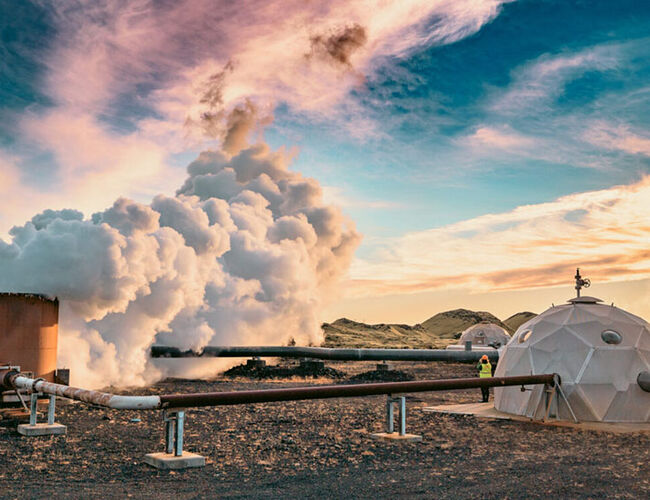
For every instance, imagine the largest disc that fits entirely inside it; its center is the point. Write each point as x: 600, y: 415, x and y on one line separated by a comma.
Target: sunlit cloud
x: 504, y: 138
x: 128, y: 83
x: 531, y: 246
x: 619, y: 138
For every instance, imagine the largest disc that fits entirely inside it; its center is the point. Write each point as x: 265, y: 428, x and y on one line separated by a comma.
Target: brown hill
x: 449, y: 324
x: 347, y: 333
x: 436, y: 332
x: 516, y: 320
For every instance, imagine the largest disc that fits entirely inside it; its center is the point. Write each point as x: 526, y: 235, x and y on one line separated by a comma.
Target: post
x: 390, y: 433
x: 180, y: 420
x: 389, y: 414
x: 51, y: 408
x: 33, y: 402
x: 173, y: 456
x: 44, y: 429
x: 402, y: 415
x: 169, y: 433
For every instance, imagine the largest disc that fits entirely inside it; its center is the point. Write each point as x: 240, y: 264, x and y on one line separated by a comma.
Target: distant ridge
x: 449, y: 324
x: 436, y: 332
x: 516, y: 320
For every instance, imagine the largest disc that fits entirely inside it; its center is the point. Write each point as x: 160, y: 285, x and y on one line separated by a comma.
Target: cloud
x: 536, y: 83
x: 491, y: 137
x: 604, y: 231
x: 339, y: 46
x: 605, y: 135
x: 129, y: 83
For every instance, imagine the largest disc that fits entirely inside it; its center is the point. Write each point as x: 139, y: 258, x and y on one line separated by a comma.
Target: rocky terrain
x: 321, y: 449
x: 436, y: 332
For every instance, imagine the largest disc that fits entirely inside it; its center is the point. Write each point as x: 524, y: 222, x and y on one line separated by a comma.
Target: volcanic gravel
x: 321, y: 448
x: 283, y: 371
x: 382, y: 376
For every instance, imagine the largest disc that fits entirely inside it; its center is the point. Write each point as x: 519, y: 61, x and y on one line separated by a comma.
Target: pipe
x: 344, y: 391
x: 13, y: 379
x: 158, y: 351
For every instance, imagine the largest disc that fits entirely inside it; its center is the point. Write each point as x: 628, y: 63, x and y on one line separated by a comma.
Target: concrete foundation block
x: 41, y: 429
x: 171, y: 461
x: 384, y: 367
x: 395, y: 436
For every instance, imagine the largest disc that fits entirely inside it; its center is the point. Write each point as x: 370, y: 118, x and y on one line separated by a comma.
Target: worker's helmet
x: 484, y: 358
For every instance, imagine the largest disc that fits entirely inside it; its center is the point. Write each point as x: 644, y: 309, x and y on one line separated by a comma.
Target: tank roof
x: 40, y: 296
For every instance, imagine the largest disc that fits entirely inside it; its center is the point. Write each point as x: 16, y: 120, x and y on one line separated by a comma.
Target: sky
x: 482, y: 149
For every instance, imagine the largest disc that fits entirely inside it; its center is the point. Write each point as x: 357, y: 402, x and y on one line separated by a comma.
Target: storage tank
x: 29, y: 328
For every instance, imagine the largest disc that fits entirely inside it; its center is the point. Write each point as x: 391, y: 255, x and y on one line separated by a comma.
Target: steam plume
x: 245, y: 253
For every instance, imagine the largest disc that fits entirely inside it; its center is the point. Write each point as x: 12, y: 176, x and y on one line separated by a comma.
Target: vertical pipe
x: 402, y: 416
x: 180, y: 419
x: 32, y: 408
x: 51, y: 408
x: 389, y: 415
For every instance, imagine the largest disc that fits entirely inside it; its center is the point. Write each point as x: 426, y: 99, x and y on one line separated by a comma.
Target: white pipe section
x: 94, y: 397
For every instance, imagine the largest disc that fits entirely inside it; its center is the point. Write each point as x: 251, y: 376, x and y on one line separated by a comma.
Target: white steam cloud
x: 245, y: 253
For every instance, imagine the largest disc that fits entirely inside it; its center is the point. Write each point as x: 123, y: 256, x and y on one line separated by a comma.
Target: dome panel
x: 579, y: 404
x: 632, y: 405
x: 613, y: 365
x: 509, y: 362
x: 599, y: 397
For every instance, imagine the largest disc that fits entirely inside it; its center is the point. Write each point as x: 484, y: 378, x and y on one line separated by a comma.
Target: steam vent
x: 601, y: 352
x: 29, y: 333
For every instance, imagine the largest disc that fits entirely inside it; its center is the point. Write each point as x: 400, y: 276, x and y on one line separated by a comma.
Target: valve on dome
x: 581, y: 282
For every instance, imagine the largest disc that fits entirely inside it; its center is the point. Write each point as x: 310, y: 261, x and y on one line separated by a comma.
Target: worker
x: 484, y: 371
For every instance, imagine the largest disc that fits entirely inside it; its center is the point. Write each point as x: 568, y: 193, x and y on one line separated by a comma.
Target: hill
x: 516, y: 320
x: 449, y: 324
x: 437, y: 332
x: 347, y: 333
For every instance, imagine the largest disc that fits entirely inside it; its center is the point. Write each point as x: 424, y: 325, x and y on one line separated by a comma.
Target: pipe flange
x: 35, y: 382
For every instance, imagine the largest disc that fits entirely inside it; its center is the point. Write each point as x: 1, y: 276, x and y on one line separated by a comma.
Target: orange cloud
x: 605, y: 231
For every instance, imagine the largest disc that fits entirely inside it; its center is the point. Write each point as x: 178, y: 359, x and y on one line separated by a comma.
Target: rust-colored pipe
x: 345, y: 391
x: 15, y: 380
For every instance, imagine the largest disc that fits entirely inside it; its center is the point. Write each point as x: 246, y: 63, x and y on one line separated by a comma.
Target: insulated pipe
x: 158, y: 351
x: 14, y: 380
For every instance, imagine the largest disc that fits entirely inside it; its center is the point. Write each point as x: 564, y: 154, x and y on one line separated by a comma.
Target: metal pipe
x: 344, y: 391
x: 339, y: 354
x: 13, y: 379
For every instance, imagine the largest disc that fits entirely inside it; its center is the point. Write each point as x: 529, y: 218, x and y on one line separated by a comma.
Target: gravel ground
x: 322, y: 449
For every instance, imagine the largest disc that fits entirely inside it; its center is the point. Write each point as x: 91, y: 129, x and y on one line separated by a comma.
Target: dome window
x: 524, y: 336
x: 611, y: 337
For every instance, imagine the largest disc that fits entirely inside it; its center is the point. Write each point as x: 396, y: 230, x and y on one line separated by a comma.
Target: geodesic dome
x: 484, y: 334
x: 601, y: 352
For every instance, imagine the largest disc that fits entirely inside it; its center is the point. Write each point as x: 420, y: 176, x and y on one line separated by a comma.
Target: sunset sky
x: 484, y: 149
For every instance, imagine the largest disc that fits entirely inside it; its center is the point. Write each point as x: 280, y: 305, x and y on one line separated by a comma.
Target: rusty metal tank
x: 29, y: 329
